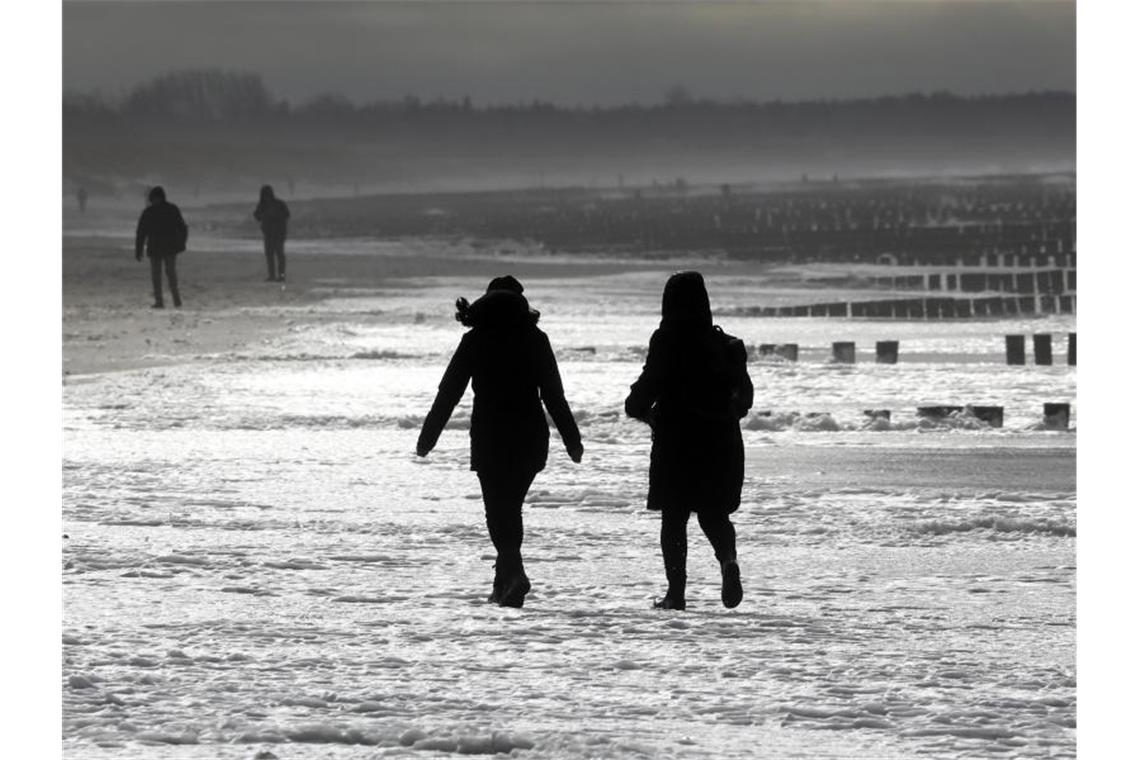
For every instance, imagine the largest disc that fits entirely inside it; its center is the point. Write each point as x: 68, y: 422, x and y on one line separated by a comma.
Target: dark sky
x: 596, y: 52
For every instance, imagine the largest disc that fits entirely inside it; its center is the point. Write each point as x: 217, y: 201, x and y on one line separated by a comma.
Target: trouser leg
x: 503, y: 496
x: 269, y: 257
x: 156, y: 278
x: 171, y: 263
x: 675, y: 549
x: 721, y: 534
x: 279, y: 250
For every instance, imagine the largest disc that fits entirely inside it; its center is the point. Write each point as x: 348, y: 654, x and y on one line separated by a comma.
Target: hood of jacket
x: 500, y: 309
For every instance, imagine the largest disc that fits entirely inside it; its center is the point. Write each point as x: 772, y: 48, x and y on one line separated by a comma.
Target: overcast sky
x: 588, y: 53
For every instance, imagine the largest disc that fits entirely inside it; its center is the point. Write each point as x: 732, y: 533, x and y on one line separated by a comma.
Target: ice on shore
x: 257, y: 557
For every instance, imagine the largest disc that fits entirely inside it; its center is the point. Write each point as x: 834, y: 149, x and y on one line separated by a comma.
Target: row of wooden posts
x: 1056, y: 415
x: 1036, y: 282
x: 843, y: 352
x: 922, y: 308
x: 887, y: 351
x: 1042, y: 349
x: 1023, y: 258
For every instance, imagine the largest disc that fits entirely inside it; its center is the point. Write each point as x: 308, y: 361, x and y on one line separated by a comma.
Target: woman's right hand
x: 576, y: 453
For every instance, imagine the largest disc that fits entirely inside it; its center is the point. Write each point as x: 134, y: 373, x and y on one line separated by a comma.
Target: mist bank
x: 215, y: 133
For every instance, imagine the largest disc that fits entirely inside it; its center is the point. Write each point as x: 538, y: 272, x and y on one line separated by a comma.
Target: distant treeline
x: 215, y: 121
x: 228, y: 98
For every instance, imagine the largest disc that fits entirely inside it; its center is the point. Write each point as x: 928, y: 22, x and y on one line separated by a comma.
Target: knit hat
x: 506, y: 282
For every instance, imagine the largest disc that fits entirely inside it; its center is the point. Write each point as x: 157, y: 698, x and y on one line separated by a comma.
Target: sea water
x: 257, y: 562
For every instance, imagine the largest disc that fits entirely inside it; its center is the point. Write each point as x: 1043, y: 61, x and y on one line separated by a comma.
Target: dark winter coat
x: 513, y: 373
x: 693, y: 391
x: 163, y: 230
x: 273, y: 215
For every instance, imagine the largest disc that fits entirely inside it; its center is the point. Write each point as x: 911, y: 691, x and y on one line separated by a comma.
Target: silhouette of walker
x: 692, y: 392
x: 164, y: 232
x: 512, y: 369
x: 273, y: 215
x: 81, y: 199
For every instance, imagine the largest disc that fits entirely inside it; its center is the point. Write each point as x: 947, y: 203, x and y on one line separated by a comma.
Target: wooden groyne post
x: 1015, y: 349
x: 886, y: 352
x: 790, y: 351
x: 1057, y: 416
x: 995, y: 415
x: 937, y: 412
x: 1043, y: 348
x: 843, y: 352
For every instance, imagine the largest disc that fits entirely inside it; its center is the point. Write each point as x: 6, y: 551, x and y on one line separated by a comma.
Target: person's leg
x: 156, y: 280
x: 503, y: 496
x: 171, y: 263
x: 280, y: 251
x: 721, y: 534
x: 674, y: 552
x: 504, y: 522
x: 268, y: 243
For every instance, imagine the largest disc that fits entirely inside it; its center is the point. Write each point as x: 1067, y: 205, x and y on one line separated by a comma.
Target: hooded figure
x: 693, y: 390
x: 162, y: 230
x: 273, y: 216
x: 514, y: 374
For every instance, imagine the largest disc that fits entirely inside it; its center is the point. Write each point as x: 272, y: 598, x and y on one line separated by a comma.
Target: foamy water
x: 257, y: 562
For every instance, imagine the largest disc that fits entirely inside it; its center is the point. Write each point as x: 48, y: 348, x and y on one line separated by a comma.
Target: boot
x: 677, y: 577
x: 496, y: 587
x: 515, y: 590
x: 731, y: 592
x: 669, y: 602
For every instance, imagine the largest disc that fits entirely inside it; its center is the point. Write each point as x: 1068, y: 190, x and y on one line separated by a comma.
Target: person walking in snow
x: 163, y: 231
x: 273, y: 216
x: 513, y: 373
x: 693, y: 390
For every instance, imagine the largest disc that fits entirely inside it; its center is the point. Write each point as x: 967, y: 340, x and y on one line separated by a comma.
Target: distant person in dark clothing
x: 164, y: 232
x: 513, y: 372
x: 692, y: 392
x: 81, y: 199
x: 273, y: 215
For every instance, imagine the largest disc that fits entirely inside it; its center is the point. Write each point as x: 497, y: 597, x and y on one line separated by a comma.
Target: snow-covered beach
x: 256, y: 561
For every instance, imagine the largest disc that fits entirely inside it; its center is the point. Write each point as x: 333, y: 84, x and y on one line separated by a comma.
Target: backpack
x: 741, y: 393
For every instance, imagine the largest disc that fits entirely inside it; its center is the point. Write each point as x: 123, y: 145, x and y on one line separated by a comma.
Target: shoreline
x: 108, y: 325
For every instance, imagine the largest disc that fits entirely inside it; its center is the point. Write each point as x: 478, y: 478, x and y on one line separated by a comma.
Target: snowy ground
x: 255, y: 562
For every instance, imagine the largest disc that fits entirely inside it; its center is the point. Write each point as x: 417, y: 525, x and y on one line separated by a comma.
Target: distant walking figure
x: 164, y: 232
x: 273, y: 215
x: 513, y: 373
x: 81, y: 199
x: 692, y: 392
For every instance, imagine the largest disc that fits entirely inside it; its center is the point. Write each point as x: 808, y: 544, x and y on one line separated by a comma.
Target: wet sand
x: 108, y: 324
x: 958, y: 470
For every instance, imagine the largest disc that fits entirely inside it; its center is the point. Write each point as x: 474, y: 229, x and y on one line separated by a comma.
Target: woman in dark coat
x: 513, y: 373
x: 693, y: 391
